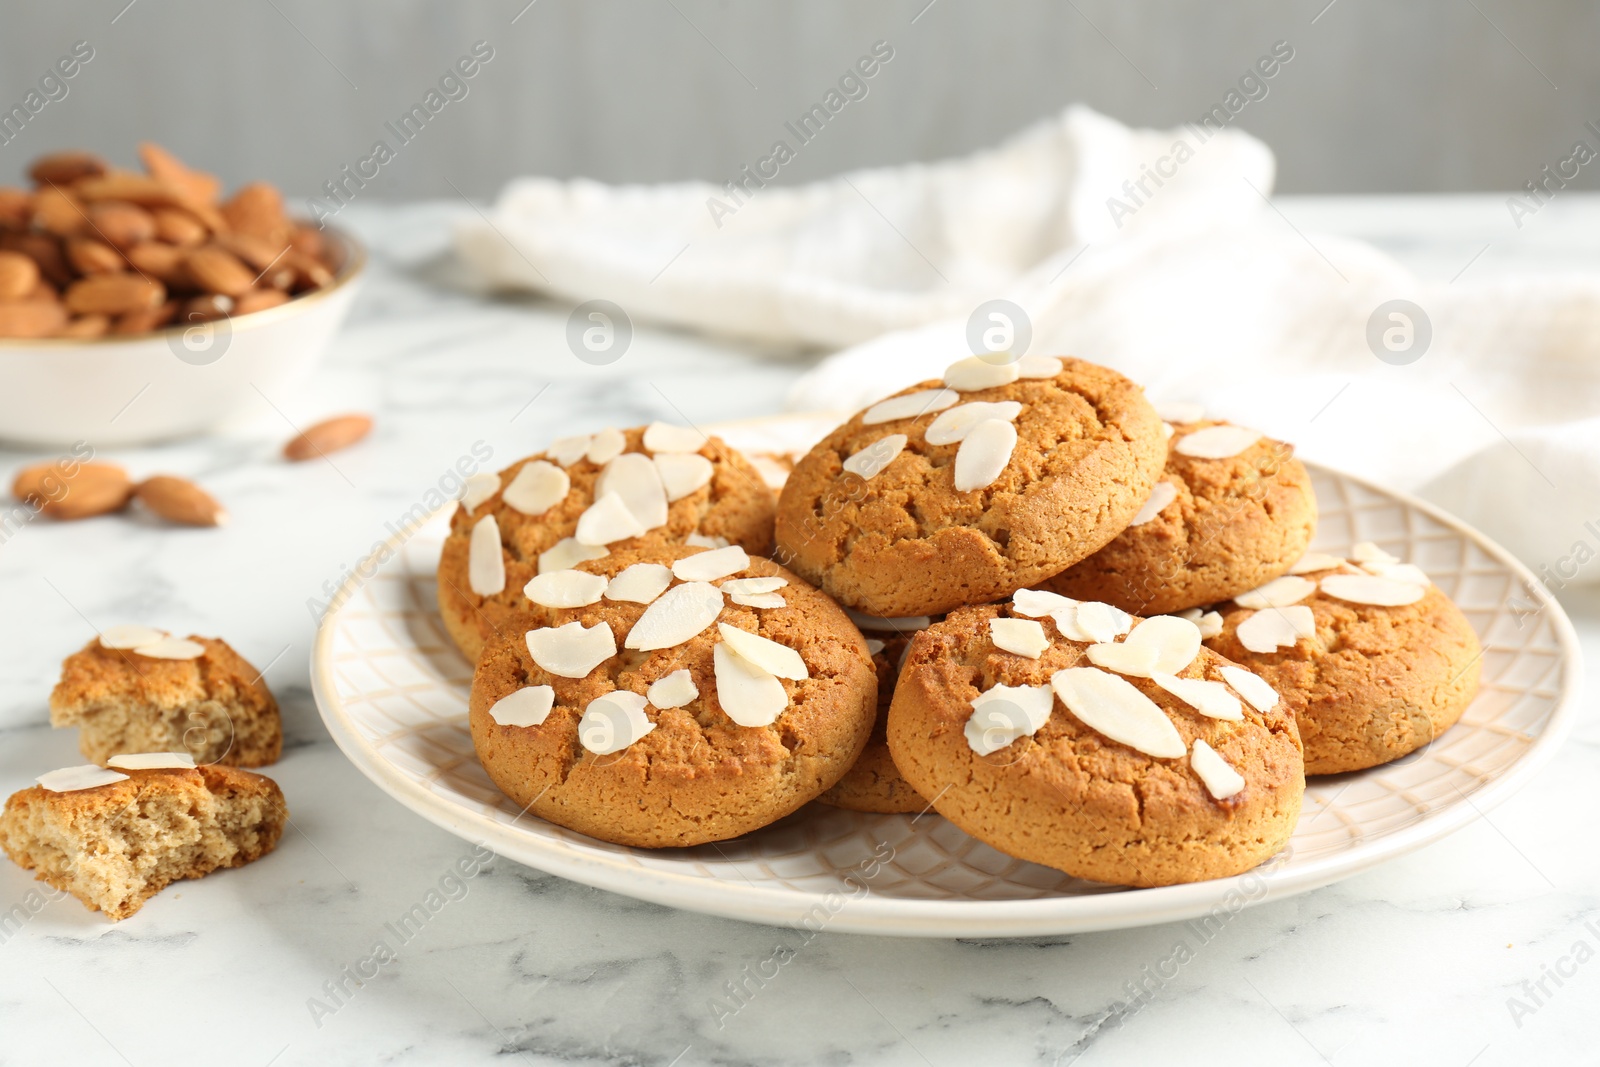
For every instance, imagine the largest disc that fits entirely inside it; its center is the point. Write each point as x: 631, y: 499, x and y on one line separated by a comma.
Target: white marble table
x: 1412, y: 963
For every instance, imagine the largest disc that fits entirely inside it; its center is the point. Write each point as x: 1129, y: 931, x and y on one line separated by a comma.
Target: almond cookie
x: 961, y: 491
x: 875, y: 784
x: 138, y: 689
x: 115, y: 837
x: 1116, y: 749
x: 1372, y: 657
x: 617, y: 490
x: 686, y: 695
x: 1233, y: 510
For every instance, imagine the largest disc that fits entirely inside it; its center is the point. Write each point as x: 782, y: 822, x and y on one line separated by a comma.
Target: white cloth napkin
x: 1198, y: 289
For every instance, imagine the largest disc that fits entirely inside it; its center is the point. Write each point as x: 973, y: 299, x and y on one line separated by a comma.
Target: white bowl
x: 110, y: 391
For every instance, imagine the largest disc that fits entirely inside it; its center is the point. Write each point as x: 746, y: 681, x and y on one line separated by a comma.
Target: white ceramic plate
x: 393, y: 692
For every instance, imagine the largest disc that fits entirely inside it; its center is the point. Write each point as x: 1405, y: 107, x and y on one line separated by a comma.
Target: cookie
x: 1233, y: 510
x: 1373, y: 658
x: 961, y: 491
x: 673, y: 486
x: 875, y: 784
x: 1144, y: 761
x: 114, y: 838
x: 689, y: 695
x: 136, y: 689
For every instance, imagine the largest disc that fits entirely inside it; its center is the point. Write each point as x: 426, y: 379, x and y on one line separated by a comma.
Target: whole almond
x: 16, y: 206
x: 217, y: 270
x: 257, y: 209
x: 309, y: 273
x: 61, y: 168
x: 177, y: 226
x: 93, y: 256
x: 327, y: 436
x: 307, y: 240
x: 159, y: 260
x: 180, y: 500
x: 55, y: 211
x: 146, y: 319
x: 207, y: 308
x: 259, y: 300
x: 126, y: 185
x: 86, y: 326
x: 18, y: 275
x: 113, y: 294
x: 44, y: 250
x: 169, y: 168
x: 258, y: 252
x: 89, y: 489
x: 31, y: 318
x: 120, y: 223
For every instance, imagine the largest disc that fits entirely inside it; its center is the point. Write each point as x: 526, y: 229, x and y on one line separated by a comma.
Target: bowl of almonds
x: 142, y: 305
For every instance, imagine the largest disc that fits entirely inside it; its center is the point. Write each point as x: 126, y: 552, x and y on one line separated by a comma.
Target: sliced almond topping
x: 1278, y: 593
x: 955, y: 424
x: 748, y: 586
x: 1400, y: 572
x: 607, y: 520
x: 984, y: 453
x: 874, y: 646
x: 1180, y: 411
x: 1112, y: 705
x: 1210, y: 699
x: 747, y: 694
x: 151, y: 761
x: 129, y: 636
x: 568, y: 553
x: 1163, y: 494
x: 1138, y: 661
x: 665, y: 437
x: 1167, y: 431
x: 635, y: 478
x: 1176, y: 641
x: 780, y: 661
x: 170, y: 647
x: 486, y: 565
x: 676, y: 616
x: 700, y: 540
x: 1037, y: 603
x: 479, y: 487
x: 640, y: 583
x: 565, y: 589
x: 1220, y: 779
x: 1023, y: 637
x: 673, y: 690
x: 1099, y: 621
x: 568, y: 450
x: 613, y: 722
x: 709, y: 566
x: 1267, y: 631
x: 972, y: 373
x: 573, y: 650
x: 1004, y: 713
x: 870, y: 461
x: 536, y: 488
x: 683, y: 472
x: 1255, y: 690
x: 528, y: 706
x: 1039, y: 367
x: 1371, y: 589
x: 1315, y: 561
x: 901, y: 624
x: 1209, y: 625
x: 71, y: 779
x: 758, y: 600
x: 605, y: 446
x: 1370, y: 552
x: 910, y: 406
x: 1216, y: 442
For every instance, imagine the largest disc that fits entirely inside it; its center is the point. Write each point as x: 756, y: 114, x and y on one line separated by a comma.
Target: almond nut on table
x: 180, y: 500
x: 74, y: 493
x: 327, y: 436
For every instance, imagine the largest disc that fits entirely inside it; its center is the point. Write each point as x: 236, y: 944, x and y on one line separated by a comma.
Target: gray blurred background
x: 1425, y: 96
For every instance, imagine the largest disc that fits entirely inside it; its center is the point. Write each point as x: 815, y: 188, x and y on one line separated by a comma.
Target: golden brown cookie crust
x: 1377, y: 682
x: 736, y: 505
x: 215, y: 707
x: 905, y: 542
x: 875, y: 784
x: 1069, y: 797
x: 698, y: 776
x: 1235, y: 524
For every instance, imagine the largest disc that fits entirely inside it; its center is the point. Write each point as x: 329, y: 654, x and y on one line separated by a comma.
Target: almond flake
x: 780, y: 661
x: 1099, y: 621
x: 573, y: 650
x: 955, y: 424
x: 607, y: 520
x: 1210, y: 699
x: 1269, y: 630
x: 870, y: 461
x: 537, y: 487
x: 129, y: 636
x: 1370, y: 552
x: 910, y: 406
x: 613, y: 722
x: 640, y: 583
x: 1037, y: 603
x: 170, y: 647
x: 901, y: 624
x: 1039, y: 367
x: 1315, y: 561
x: 71, y: 779
x: 568, y: 450
x: 700, y: 540
x: 1217, y: 442
x: 1112, y: 706
x: 568, y: 553
x: 486, y: 566
x: 747, y: 586
x: 983, y: 454
x: 635, y: 478
x: 972, y: 373
x: 1163, y: 494
x: 1136, y: 660
x: 673, y: 690
x: 1180, y: 412
x: 1252, y: 687
x: 1278, y: 593
x: 528, y: 706
x: 606, y: 446
x: 1024, y: 637
x: 676, y: 616
x: 758, y: 600
x: 1004, y: 713
x: 747, y: 694
x: 1176, y: 641
x: 874, y: 646
x: 151, y: 761
x: 479, y: 487
x: 682, y: 473
x: 565, y: 589
x: 1209, y: 625
x: 709, y: 566
x: 1220, y: 779
x: 1167, y: 431
x: 1400, y: 572
x: 665, y: 437
x: 1371, y: 589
